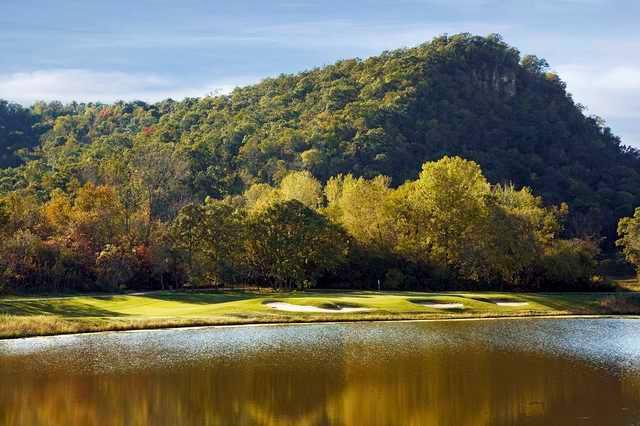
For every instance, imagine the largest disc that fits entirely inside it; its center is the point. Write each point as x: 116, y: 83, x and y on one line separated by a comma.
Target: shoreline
x: 21, y: 318
x: 328, y: 321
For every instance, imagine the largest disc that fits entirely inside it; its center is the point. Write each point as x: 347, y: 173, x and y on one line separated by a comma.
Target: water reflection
x: 462, y: 373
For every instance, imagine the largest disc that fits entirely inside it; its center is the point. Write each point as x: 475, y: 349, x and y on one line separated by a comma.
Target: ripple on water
x: 603, y: 342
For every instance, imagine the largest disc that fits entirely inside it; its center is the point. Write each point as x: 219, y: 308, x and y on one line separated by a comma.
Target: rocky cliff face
x: 498, y: 79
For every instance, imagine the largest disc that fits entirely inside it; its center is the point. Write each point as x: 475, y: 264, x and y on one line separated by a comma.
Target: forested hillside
x: 458, y: 95
x: 474, y: 97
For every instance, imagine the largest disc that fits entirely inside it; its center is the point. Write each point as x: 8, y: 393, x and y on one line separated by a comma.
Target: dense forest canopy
x: 450, y: 228
x: 461, y: 95
x: 456, y: 95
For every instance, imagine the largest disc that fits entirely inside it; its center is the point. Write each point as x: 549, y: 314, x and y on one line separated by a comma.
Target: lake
x: 497, y: 372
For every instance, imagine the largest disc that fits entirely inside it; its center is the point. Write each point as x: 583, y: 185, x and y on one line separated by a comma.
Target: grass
x: 628, y: 284
x: 32, y: 316
x: 621, y: 304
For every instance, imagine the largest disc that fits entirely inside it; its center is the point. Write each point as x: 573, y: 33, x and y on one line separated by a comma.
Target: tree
x: 440, y: 216
x: 387, y: 115
x: 163, y: 258
x: 186, y: 234
x: 27, y: 263
x: 568, y: 264
x: 57, y: 212
x: 518, y: 230
x: 21, y: 211
x: 301, y: 186
x: 96, y: 218
x: 4, y: 218
x: 20, y: 260
x: 534, y: 64
x: 259, y: 196
x: 358, y: 205
x: 212, y: 236
x: 156, y: 181
x: 629, y: 241
x: 115, y: 267
x: 16, y: 133
x: 291, y: 245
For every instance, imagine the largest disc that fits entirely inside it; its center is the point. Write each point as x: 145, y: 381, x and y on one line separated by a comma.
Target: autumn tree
x: 298, y: 185
x: 57, y: 212
x: 359, y: 205
x: 303, y: 187
x: 96, y: 217
x: 4, y: 219
x: 260, y: 196
x: 441, y: 215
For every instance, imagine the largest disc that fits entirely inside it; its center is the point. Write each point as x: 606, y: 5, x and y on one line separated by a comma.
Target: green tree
x: 260, y: 196
x: 441, y: 215
x: 16, y: 133
x: 518, y: 230
x: 568, y: 264
x: 156, y: 182
x: 301, y: 186
x: 629, y: 241
x: 358, y: 205
x: 21, y: 211
x: 291, y: 245
x: 212, y: 236
x: 534, y: 64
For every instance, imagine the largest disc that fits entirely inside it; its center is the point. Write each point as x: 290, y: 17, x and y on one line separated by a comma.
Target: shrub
x: 394, y: 279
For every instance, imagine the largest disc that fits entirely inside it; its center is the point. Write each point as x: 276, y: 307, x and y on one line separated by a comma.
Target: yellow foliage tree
x: 358, y: 204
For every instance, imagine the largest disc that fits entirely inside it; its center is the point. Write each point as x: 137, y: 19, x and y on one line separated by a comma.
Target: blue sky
x: 152, y: 49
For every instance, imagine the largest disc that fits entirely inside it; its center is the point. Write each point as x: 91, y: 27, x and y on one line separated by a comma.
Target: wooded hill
x: 464, y: 95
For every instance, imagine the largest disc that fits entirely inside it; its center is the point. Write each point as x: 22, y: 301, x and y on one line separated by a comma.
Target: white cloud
x: 609, y: 91
x: 612, y: 92
x: 102, y: 86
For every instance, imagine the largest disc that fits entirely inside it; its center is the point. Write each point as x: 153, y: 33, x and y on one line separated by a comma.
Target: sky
x: 107, y: 50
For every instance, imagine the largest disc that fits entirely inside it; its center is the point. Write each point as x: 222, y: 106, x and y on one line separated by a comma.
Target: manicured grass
x: 20, y: 317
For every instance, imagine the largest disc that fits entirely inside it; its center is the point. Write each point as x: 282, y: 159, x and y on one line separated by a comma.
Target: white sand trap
x: 281, y: 306
x: 443, y: 305
x: 512, y: 304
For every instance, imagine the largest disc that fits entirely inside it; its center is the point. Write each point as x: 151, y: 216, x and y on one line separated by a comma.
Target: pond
x: 500, y: 372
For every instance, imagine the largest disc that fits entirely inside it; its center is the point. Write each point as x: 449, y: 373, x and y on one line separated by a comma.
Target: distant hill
x: 458, y: 95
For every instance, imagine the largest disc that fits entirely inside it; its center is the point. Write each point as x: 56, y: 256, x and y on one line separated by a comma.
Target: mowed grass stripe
x: 37, y: 316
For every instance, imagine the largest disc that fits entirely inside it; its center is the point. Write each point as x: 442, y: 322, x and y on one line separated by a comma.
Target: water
x: 507, y: 372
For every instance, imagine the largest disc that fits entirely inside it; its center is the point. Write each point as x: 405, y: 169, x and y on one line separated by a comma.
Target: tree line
x: 449, y: 228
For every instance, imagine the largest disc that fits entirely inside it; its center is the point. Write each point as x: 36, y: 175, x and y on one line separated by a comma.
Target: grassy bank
x: 21, y: 317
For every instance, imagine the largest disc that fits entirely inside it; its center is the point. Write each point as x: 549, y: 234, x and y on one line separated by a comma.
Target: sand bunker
x: 512, y: 303
x: 281, y: 306
x: 441, y: 305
